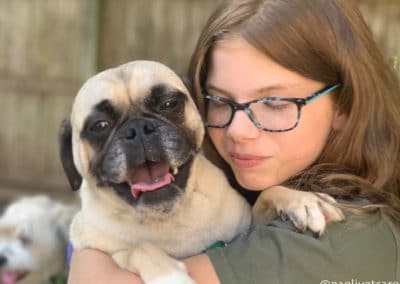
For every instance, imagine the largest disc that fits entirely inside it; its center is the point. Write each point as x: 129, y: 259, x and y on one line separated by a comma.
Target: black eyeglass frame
x: 300, y: 102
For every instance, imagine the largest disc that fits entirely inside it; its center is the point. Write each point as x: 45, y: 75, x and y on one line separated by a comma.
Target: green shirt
x: 362, y: 248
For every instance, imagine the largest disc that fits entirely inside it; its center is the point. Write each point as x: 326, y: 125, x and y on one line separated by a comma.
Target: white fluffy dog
x: 33, y: 240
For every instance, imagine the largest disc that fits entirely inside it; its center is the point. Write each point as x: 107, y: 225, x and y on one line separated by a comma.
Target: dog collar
x: 218, y: 244
x: 222, y: 244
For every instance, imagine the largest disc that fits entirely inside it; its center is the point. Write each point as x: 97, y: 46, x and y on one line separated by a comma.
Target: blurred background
x: 48, y: 48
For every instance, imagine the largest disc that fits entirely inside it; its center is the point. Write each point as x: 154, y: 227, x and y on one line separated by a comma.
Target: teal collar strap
x: 218, y: 244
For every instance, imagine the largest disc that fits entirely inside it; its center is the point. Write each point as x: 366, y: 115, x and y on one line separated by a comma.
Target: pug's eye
x: 169, y: 104
x: 100, y: 125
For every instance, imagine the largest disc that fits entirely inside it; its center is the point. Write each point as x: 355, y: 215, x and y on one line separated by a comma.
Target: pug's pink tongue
x: 150, y: 178
x: 10, y: 277
x: 152, y: 185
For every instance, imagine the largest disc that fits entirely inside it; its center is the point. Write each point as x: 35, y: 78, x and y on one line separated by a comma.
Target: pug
x: 132, y: 145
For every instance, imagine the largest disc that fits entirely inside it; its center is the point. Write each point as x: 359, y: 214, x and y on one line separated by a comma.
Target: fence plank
x: 49, y: 39
x: 28, y: 137
x: 47, y: 49
x: 163, y: 30
x: 383, y: 18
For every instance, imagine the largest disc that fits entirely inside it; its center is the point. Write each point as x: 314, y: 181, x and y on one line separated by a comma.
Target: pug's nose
x: 3, y: 260
x: 140, y: 127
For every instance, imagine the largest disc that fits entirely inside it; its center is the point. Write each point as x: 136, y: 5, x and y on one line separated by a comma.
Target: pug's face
x: 134, y: 131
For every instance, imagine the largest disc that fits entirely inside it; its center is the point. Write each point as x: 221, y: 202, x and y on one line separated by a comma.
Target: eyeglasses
x: 272, y: 114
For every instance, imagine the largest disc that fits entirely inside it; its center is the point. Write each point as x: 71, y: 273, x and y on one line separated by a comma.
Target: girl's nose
x: 241, y: 127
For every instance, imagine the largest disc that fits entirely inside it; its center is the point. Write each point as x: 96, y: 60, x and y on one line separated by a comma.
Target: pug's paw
x: 153, y: 265
x: 307, y: 210
x: 123, y: 258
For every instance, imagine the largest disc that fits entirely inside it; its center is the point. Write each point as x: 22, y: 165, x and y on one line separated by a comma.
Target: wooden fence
x: 383, y: 18
x: 49, y: 47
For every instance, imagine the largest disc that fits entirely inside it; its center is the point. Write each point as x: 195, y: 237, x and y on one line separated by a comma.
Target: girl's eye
x: 100, y: 125
x: 169, y: 104
x: 279, y: 106
x: 217, y: 104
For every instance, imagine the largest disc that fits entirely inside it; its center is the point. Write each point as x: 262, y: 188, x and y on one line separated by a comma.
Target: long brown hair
x: 327, y: 41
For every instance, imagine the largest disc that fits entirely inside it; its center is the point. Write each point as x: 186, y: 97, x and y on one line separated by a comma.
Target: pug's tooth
x: 174, y: 171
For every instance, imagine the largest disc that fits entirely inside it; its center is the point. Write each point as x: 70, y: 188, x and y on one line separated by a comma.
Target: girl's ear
x: 339, y: 120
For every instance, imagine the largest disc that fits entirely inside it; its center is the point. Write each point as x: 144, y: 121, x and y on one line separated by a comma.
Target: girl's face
x: 261, y: 159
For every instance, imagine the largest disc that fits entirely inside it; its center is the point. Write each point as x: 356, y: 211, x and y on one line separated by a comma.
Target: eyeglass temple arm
x: 321, y: 93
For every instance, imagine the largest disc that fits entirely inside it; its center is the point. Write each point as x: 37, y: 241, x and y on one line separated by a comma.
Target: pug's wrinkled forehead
x: 126, y: 86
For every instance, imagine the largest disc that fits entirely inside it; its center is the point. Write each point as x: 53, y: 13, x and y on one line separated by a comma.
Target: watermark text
x: 356, y: 281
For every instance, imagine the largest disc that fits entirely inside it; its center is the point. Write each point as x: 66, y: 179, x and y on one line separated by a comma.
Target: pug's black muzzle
x: 145, y: 147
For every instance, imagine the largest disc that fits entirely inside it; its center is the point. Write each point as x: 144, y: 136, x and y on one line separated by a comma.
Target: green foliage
x: 59, y: 279
x: 396, y: 63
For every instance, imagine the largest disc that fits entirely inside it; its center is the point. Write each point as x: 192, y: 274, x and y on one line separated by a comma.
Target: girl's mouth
x: 246, y: 161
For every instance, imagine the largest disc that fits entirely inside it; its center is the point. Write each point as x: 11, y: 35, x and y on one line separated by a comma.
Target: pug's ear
x: 66, y: 154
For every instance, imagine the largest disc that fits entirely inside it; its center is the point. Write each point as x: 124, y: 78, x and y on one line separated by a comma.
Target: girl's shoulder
x: 363, y: 247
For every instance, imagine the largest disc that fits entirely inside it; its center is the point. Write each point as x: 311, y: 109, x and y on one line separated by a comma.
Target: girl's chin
x: 254, y: 178
x: 252, y: 184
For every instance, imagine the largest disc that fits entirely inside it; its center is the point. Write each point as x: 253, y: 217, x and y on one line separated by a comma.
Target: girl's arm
x: 92, y: 266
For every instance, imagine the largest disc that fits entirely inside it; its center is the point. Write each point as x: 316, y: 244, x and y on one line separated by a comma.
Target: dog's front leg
x: 153, y: 265
x: 307, y: 210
